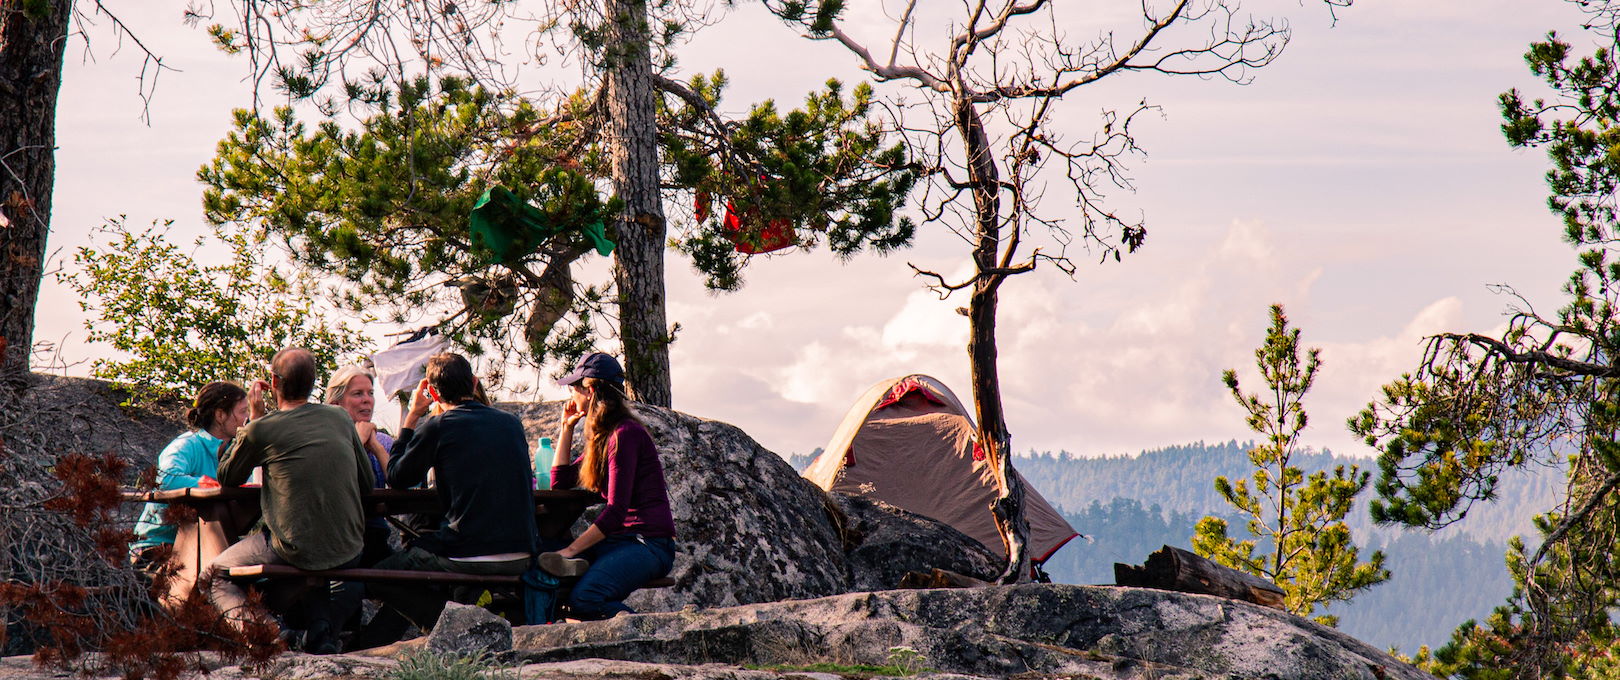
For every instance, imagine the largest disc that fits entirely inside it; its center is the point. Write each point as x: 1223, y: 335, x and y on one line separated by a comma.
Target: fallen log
x: 1175, y: 569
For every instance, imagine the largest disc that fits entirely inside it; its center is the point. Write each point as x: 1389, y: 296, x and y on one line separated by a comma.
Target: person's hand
x: 207, y: 482
x: 421, y: 399
x: 256, y: 392
x: 367, y: 432
x: 572, y: 413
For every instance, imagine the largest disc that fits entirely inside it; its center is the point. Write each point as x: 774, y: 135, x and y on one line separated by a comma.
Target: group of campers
x: 317, y: 461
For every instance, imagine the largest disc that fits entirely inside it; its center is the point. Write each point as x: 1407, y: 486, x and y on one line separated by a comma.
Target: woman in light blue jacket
x: 219, y: 410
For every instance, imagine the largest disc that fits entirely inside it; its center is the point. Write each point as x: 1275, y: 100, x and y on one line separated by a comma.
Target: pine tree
x: 1545, y: 391
x: 1300, y: 540
x: 385, y: 208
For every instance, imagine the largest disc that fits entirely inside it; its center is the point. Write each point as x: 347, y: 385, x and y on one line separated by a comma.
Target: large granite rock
x: 84, y: 416
x: 1003, y: 631
x: 466, y: 630
x: 752, y: 530
x: 884, y: 542
x: 63, y: 416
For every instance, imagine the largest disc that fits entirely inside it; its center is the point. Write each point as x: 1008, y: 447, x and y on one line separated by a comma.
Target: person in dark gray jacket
x: 480, y: 461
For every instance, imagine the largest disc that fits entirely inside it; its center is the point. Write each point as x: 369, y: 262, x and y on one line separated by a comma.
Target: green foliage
x: 385, y: 208
x: 1311, y: 555
x: 182, y: 324
x: 424, y: 664
x: 1544, y: 392
x: 823, y: 169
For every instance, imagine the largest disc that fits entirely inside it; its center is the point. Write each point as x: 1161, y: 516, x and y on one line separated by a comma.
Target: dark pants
x: 378, y: 538
x: 619, y: 565
x: 311, y: 608
x: 415, y: 603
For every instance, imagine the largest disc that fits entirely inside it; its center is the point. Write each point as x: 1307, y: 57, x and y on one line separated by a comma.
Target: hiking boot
x: 319, y: 639
x: 563, y: 567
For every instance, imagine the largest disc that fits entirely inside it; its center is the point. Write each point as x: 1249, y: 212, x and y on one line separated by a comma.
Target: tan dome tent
x: 910, y: 443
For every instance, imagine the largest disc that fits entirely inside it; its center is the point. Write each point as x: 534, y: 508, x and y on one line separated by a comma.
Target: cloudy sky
x: 1360, y: 180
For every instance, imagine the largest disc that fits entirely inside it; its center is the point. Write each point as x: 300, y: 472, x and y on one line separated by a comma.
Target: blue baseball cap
x: 595, y: 365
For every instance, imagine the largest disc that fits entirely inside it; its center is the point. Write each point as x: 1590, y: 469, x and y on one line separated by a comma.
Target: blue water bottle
x: 543, y: 455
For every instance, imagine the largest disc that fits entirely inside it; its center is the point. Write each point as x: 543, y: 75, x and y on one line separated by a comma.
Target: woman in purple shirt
x: 632, y: 541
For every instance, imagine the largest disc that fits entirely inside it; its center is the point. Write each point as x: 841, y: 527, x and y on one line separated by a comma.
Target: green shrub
x: 423, y: 664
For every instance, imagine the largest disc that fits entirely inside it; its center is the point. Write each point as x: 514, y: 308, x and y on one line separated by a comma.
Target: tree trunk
x: 632, y: 131
x: 994, y: 438
x: 32, y: 38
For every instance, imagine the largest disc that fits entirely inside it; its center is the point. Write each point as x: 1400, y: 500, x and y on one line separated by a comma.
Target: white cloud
x: 927, y: 321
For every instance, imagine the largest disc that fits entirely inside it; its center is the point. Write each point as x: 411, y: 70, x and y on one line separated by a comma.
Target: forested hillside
x: 1181, y: 479
x: 1127, y: 506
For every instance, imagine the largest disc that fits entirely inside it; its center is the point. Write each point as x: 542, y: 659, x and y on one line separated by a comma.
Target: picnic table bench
x: 450, y: 578
x: 225, y: 513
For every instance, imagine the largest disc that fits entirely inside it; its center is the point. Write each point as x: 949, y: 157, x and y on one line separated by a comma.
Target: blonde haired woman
x: 632, y: 541
x: 351, y: 389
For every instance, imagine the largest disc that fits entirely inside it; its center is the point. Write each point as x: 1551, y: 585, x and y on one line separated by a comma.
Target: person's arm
x: 564, y: 473
x: 421, y: 402
x: 239, y: 458
x: 180, y: 464
x: 383, y: 452
x: 587, y: 538
x: 621, y: 479
x: 373, y: 442
x: 413, y: 455
x: 256, y: 392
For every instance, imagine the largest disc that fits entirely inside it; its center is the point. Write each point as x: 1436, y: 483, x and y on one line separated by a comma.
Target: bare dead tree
x: 991, y: 78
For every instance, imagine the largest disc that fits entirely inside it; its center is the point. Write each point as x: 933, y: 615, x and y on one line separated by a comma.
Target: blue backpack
x: 540, y: 592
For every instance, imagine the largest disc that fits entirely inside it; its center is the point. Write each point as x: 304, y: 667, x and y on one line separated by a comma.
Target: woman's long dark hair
x: 211, y: 399
x: 606, y: 410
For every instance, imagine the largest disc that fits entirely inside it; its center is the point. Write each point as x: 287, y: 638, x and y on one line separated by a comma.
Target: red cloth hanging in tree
x: 747, y: 237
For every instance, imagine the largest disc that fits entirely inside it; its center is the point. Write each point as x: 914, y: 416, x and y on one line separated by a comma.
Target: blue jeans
x: 619, y: 565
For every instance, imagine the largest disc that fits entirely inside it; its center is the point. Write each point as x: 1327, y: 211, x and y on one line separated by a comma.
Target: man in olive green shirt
x: 315, y: 473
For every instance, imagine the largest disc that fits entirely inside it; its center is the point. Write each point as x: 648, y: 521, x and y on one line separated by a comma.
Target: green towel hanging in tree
x: 509, y: 229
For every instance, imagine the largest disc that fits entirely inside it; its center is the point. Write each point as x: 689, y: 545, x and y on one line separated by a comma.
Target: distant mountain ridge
x: 1181, y: 479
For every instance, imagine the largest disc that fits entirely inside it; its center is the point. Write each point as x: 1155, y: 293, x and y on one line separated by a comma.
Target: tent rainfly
x: 909, y: 443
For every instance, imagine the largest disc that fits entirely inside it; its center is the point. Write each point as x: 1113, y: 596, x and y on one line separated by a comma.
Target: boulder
x: 884, y: 542
x: 85, y: 416
x: 752, y: 530
x: 63, y: 416
x: 1100, y: 631
x: 467, y: 630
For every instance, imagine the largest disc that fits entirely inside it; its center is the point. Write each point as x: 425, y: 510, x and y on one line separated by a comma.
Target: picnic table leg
x: 195, y: 545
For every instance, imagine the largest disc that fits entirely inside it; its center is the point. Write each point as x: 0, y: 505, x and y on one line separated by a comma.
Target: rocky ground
x: 1022, y: 631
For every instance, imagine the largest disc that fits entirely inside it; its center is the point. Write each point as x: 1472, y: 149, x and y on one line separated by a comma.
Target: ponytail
x: 211, y: 399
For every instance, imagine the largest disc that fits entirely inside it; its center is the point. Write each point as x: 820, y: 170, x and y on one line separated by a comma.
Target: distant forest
x: 1128, y: 506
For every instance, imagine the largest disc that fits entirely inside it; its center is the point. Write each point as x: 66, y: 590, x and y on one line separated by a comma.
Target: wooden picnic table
x: 225, y: 513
